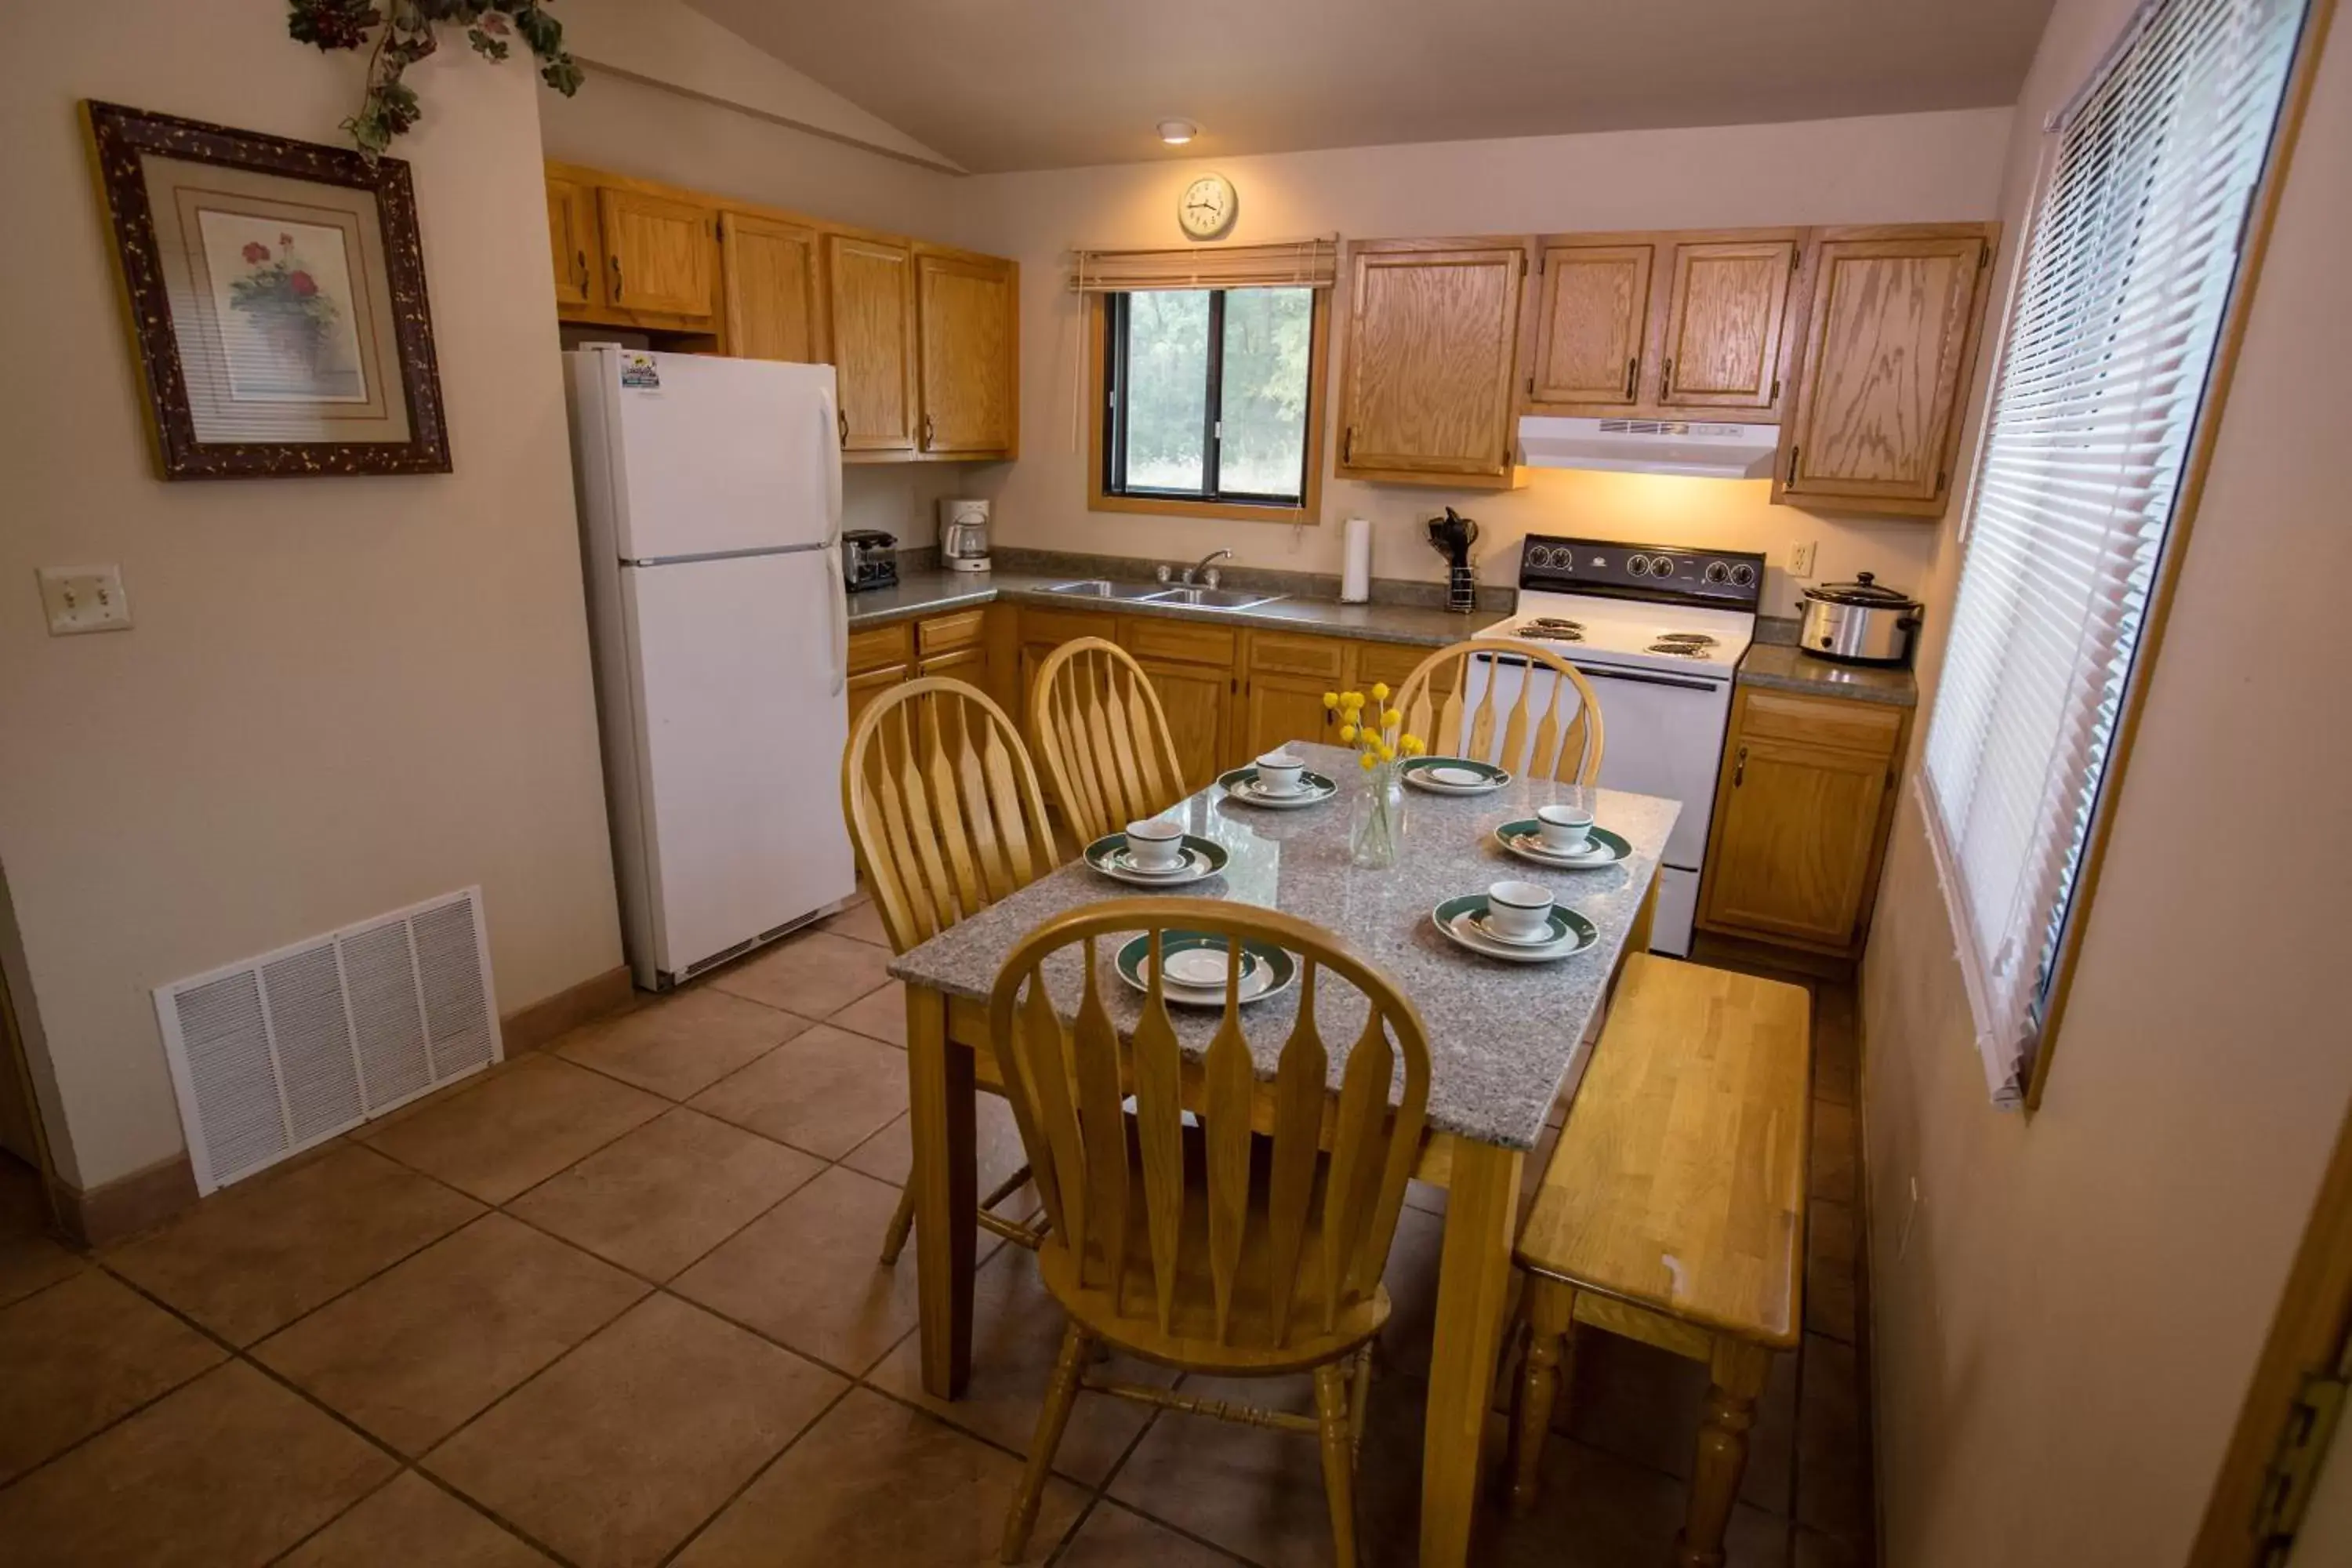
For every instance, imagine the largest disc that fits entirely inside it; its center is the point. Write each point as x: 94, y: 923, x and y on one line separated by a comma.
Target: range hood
x: 1701, y: 449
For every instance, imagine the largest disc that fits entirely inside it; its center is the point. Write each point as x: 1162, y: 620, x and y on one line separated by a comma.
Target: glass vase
x: 1379, y: 819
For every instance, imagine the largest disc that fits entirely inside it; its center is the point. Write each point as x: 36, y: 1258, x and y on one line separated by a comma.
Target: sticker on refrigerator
x: 640, y: 373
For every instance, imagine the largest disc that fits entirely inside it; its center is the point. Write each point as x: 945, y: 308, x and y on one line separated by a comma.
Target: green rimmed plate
x: 1242, y: 784
x: 1453, y: 776
x: 1196, y: 967
x: 1462, y: 922
x: 1204, y: 858
x: 1525, y: 839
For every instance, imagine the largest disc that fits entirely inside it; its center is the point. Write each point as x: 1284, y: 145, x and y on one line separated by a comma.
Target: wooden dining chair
x: 944, y: 810
x: 1558, y: 737
x: 1099, y: 726
x: 1195, y: 1242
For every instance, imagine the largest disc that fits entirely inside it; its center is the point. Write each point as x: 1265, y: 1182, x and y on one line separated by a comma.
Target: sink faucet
x: 1204, y: 573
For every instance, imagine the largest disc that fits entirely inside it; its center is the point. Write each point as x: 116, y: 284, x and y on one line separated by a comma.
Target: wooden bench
x: 1673, y: 1211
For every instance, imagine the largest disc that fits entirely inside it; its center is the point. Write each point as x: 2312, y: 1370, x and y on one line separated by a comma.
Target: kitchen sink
x: 1212, y: 598
x: 1103, y: 588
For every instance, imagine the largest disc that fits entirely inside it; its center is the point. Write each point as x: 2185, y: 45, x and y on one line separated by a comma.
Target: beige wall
x: 340, y: 695
x: 1903, y: 168
x: 2065, y: 1322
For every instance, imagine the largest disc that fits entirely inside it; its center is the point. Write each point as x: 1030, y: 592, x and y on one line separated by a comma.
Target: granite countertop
x: 1782, y: 668
x: 1504, y: 1038
x: 930, y: 592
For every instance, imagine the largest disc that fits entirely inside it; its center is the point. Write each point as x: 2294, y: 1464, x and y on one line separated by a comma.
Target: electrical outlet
x: 1801, y: 560
x: 84, y: 599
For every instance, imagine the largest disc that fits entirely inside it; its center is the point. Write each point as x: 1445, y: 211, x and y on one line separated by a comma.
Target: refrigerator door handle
x: 829, y: 456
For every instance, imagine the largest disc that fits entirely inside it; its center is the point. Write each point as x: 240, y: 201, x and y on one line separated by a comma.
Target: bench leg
x: 1550, y: 1359
x: 1740, y: 1370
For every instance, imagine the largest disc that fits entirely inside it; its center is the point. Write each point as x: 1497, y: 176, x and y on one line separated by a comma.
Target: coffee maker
x: 963, y: 535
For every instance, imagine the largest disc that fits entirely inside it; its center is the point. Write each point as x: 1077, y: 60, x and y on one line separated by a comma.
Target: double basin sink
x: 1164, y: 594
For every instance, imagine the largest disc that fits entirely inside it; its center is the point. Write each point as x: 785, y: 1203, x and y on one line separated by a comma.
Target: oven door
x: 1661, y: 734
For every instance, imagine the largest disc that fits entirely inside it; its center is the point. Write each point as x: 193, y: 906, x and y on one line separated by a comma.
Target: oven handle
x: 1593, y: 673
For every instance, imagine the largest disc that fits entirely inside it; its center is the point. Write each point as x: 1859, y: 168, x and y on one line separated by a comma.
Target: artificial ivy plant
x: 407, y: 36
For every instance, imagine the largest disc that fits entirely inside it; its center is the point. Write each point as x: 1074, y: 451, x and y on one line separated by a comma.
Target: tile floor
x: 618, y: 1303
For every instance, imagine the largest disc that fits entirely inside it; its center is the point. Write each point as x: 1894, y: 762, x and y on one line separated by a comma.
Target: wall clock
x: 1206, y: 208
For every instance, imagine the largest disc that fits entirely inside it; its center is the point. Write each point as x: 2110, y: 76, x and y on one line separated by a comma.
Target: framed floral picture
x: 275, y: 292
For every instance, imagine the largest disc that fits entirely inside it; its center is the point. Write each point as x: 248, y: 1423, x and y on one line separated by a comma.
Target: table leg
x: 946, y: 1185
x: 1739, y: 1371
x: 1637, y: 935
x: 1473, y: 1281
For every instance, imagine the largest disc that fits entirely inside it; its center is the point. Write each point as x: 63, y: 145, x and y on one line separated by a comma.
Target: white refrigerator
x: 710, y: 512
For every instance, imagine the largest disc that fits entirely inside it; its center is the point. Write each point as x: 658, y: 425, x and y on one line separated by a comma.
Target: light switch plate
x: 84, y: 599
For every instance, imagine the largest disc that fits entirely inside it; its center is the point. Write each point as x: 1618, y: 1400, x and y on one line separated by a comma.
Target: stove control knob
x: 1662, y: 566
x: 1743, y: 575
x: 1717, y: 572
x: 1546, y: 556
x: 1638, y: 564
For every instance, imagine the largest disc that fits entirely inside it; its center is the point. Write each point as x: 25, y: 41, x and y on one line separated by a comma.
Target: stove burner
x: 1684, y: 649
x: 1551, y: 628
x: 1695, y: 639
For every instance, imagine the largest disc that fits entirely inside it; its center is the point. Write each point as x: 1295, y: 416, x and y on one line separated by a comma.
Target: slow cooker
x: 1859, y: 622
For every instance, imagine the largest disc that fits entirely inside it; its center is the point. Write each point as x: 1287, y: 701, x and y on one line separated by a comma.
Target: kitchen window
x: 2129, y: 285
x: 1206, y: 369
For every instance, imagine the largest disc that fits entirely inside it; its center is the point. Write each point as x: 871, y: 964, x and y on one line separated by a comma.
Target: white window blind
x: 2132, y: 256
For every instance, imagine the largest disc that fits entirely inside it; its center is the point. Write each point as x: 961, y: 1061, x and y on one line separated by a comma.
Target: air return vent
x: 280, y: 1052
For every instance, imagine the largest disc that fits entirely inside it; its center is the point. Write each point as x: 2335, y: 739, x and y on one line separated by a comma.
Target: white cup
x: 1155, y: 846
x: 1521, y: 911
x: 1279, y: 773
x: 1564, y: 829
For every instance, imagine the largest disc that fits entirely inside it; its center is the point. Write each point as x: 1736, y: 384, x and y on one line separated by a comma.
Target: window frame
x: 2071, y: 917
x: 1106, y: 350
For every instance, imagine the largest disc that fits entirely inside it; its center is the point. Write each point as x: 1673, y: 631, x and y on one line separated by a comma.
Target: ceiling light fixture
x: 1176, y: 133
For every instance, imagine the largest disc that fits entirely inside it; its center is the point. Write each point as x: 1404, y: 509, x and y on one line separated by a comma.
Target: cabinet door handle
x: 1347, y: 446
x: 582, y: 258
x: 1632, y: 376
x: 1740, y: 768
x: 926, y: 432
x: 616, y: 278
x: 844, y: 416
x: 1791, y: 481
x: 1667, y: 378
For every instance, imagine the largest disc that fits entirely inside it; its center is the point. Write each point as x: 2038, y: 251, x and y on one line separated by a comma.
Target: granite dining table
x: 1503, y: 1039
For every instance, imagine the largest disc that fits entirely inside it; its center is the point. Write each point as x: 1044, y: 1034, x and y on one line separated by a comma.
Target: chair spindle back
x: 1095, y: 718
x: 1556, y: 737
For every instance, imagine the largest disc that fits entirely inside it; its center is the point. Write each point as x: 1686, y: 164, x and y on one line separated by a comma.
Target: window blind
x: 1299, y: 264
x: 2132, y: 254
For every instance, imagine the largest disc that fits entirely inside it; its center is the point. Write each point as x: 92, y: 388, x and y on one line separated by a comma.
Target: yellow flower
x: 1347, y: 732
x: 1409, y: 746
x: 1392, y: 717
x: 1368, y: 761
x: 1330, y: 700
x: 1388, y: 754
x: 1379, y: 691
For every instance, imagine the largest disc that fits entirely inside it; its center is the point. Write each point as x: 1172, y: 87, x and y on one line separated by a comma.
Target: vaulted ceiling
x: 1025, y: 84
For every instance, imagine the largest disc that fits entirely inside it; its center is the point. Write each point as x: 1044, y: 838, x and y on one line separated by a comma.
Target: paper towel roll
x: 1356, y: 572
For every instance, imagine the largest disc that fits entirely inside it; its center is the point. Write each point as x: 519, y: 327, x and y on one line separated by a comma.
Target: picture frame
x: 274, y: 292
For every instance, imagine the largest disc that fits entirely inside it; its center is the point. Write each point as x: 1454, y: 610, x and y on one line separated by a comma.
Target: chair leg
x: 1061, y: 1394
x: 1359, y: 1398
x: 1338, y: 1425
x: 902, y: 1222
x: 1549, y: 1359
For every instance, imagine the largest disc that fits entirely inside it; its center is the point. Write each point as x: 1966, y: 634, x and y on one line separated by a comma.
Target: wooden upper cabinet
x: 1726, y: 303
x: 775, y: 298
x: 1432, y: 351
x: 970, y: 387
x: 661, y: 256
x: 1594, y: 316
x: 1890, y: 334
x: 870, y: 284
x: 571, y: 241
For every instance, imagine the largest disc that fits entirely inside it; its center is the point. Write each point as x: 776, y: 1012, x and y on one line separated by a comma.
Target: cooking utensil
x: 1452, y: 536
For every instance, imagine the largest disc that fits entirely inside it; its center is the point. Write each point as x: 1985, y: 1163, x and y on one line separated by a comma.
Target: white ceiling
x: 1027, y: 84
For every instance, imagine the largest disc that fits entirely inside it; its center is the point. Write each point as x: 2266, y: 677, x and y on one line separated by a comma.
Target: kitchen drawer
x: 1390, y: 662
x: 1149, y: 638
x: 943, y: 633
x: 1280, y: 653
x: 967, y: 663
x: 1052, y: 628
x: 872, y: 648
x: 1818, y: 721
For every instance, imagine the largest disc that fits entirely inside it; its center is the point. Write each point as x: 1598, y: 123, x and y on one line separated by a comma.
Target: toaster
x: 869, y: 559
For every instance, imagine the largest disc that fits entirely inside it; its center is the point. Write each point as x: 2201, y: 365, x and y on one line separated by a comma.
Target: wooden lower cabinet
x: 1278, y: 709
x: 1198, y: 699
x: 1800, y: 819
x: 867, y: 685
